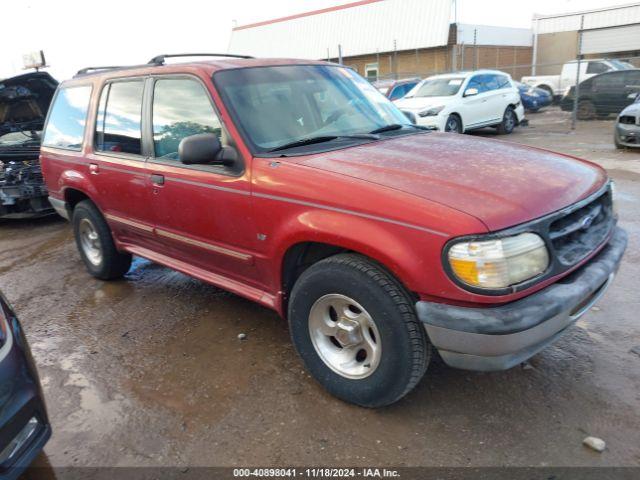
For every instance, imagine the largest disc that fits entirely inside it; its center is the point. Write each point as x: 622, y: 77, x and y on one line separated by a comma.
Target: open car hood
x: 25, y: 100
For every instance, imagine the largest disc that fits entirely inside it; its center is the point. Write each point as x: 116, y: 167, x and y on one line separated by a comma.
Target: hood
x: 421, y: 103
x: 499, y: 183
x: 633, y: 109
x: 25, y: 100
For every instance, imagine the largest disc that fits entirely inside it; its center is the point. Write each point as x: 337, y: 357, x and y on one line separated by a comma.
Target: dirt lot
x: 148, y: 371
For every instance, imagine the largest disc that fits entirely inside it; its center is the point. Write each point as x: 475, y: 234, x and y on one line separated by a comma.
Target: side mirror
x: 470, y: 92
x: 200, y: 149
x: 632, y: 96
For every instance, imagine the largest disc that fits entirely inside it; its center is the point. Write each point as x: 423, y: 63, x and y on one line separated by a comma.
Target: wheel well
x: 301, y: 256
x: 73, y: 197
x: 456, y: 114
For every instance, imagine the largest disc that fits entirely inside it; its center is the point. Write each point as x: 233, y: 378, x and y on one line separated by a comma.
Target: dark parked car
x: 24, y: 102
x: 604, y: 94
x: 396, y: 89
x: 532, y: 98
x: 24, y: 425
x: 627, y: 130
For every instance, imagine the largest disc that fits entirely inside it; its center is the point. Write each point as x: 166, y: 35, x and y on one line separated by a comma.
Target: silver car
x: 627, y: 130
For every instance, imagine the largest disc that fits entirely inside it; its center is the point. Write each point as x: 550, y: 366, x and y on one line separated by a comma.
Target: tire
x: 95, y: 243
x: 586, y: 110
x: 360, y: 292
x: 509, y: 121
x: 453, y: 124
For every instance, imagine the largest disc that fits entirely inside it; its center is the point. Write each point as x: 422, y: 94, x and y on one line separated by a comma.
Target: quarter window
x: 181, y: 108
x: 119, y: 121
x: 68, y: 118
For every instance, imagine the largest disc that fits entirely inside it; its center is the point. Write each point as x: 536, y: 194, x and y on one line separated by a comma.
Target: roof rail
x: 159, y: 60
x: 87, y: 70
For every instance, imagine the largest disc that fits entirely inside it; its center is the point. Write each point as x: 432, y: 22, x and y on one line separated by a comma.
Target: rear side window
x: 597, y: 67
x: 119, y: 121
x: 68, y: 118
x: 503, y: 81
x: 181, y: 108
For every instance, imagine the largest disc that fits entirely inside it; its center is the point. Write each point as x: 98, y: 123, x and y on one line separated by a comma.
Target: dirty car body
x: 302, y: 188
x: 24, y: 424
x: 24, y: 101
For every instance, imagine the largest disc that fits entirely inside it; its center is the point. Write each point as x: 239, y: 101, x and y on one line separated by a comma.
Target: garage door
x: 617, y: 39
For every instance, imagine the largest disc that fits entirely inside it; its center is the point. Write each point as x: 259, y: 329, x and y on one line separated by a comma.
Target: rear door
x: 202, y: 213
x: 476, y: 109
x: 117, y: 162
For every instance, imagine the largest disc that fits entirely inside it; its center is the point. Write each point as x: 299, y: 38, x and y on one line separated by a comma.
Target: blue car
x: 24, y: 424
x: 533, y: 99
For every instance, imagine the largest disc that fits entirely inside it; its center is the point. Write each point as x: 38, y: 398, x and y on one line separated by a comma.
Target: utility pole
x: 395, y: 59
x: 340, y: 54
x: 576, y: 90
x: 475, y: 48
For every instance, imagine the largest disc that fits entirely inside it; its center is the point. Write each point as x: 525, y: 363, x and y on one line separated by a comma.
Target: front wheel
x: 96, y: 246
x: 509, y: 121
x: 356, y: 330
x: 453, y: 124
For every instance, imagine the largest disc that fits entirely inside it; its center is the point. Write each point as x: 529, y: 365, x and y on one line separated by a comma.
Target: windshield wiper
x: 322, y: 139
x: 397, y: 126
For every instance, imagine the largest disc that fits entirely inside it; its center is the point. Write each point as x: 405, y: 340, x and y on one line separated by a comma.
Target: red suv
x: 297, y: 185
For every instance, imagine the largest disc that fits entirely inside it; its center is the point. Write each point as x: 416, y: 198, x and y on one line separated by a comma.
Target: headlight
x: 431, y: 112
x: 499, y: 263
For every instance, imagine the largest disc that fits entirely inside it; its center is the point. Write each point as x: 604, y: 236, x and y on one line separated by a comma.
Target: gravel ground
x: 149, y: 371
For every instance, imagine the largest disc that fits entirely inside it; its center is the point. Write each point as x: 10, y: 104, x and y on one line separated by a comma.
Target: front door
x: 201, y: 211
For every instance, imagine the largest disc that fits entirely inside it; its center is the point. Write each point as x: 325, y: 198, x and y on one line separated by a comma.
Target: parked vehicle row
x: 298, y: 186
x: 627, y: 128
x: 465, y: 101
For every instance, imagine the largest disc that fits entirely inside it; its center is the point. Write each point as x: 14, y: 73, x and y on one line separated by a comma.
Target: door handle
x: 157, y: 179
x: 94, y: 169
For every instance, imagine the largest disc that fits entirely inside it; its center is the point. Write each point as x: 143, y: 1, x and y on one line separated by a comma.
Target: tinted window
x: 68, y: 118
x: 611, y: 80
x: 181, y: 108
x: 597, y: 67
x: 491, y: 82
x: 478, y: 83
x: 503, y: 81
x: 118, y: 125
x: 400, y: 91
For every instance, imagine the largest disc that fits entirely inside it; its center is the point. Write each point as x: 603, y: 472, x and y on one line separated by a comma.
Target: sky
x: 80, y: 33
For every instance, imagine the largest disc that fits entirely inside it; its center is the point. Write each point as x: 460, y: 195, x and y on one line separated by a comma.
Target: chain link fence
x: 584, y: 89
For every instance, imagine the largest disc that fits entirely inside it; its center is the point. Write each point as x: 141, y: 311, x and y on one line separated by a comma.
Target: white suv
x: 459, y: 102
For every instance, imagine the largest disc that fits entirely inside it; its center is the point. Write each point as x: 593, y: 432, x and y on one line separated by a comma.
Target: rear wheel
x: 356, y: 330
x: 96, y: 246
x: 586, y: 110
x: 509, y: 121
x: 454, y: 124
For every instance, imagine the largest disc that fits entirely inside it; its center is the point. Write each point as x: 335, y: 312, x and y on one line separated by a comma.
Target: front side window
x: 181, y: 108
x: 283, y: 104
x: 477, y: 82
x: 68, y: 118
x: 119, y: 121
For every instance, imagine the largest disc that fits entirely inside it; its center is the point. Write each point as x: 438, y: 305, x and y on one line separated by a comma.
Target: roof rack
x: 87, y: 70
x: 159, y: 60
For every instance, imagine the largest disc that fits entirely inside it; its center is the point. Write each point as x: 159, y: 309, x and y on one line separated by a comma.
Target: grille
x: 578, y: 233
x: 628, y: 120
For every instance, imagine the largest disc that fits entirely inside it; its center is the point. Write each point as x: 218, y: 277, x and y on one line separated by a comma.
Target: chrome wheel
x: 90, y: 242
x: 345, y: 336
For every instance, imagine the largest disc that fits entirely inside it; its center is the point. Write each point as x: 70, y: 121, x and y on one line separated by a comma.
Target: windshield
x: 437, y: 87
x: 279, y: 105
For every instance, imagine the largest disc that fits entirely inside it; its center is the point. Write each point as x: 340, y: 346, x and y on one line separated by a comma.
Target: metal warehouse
x: 606, y: 32
x: 388, y: 38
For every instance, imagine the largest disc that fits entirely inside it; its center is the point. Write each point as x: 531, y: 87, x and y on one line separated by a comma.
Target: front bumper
x: 628, y: 135
x: 498, y: 338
